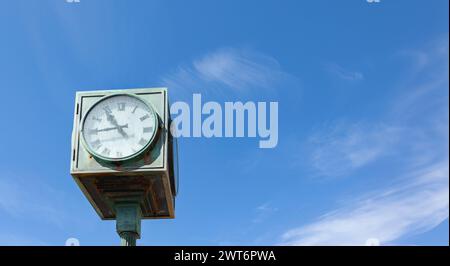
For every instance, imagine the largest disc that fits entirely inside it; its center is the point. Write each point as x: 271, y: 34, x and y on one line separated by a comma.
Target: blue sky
x: 363, y: 117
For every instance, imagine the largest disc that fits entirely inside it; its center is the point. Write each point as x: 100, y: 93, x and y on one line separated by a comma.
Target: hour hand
x: 122, y: 132
x: 110, y: 117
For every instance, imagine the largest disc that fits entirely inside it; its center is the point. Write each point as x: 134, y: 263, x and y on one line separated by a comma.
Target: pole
x: 128, y: 222
x: 128, y: 239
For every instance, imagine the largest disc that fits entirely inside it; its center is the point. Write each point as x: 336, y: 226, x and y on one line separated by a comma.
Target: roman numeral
x: 144, y: 117
x: 107, y: 109
x: 143, y: 142
x: 96, y: 119
x: 119, y: 154
x: 121, y: 106
x: 134, y: 110
x: 148, y: 129
x: 106, y: 151
x: 96, y: 144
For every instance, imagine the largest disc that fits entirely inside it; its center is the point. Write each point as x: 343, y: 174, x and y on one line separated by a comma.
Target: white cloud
x: 26, y: 198
x: 19, y: 240
x: 342, y: 147
x: 227, y: 70
x: 343, y: 73
x: 263, y: 212
x: 427, y: 84
x: 416, y: 137
x: 238, y: 69
x: 417, y: 205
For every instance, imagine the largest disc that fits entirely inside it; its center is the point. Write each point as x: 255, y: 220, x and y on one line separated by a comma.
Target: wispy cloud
x: 342, y: 147
x: 20, y: 198
x: 19, y: 240
x: 343, y: 73
x: 417, y: 205
x: 263, y: 211
x: 227, y: 70
x: 238, y: 69
x: 416, y: 137
x: 428, y: 79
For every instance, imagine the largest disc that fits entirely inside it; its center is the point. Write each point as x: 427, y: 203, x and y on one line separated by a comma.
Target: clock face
x: 119, y: 127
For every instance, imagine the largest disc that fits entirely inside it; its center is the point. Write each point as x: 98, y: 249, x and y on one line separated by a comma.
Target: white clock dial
x: 119, y: 127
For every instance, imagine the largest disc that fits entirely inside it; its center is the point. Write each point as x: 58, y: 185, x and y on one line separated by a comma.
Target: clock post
x: 124, y: 158
x: 128, y: 222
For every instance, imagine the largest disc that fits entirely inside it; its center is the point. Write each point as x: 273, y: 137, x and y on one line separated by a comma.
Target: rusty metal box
x: 152, y: 179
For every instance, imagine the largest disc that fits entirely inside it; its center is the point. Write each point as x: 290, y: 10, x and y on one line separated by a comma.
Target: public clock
x: 119, y: 127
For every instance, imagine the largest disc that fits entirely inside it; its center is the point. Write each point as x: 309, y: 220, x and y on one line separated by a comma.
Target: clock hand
x: 112, y: 128
x: 121, y: 131
x: 111, y: 118
x: 113, y: 121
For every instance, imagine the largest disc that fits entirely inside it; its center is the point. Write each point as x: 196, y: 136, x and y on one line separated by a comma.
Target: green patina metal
x: 128, y: 221
x: 143, y: 186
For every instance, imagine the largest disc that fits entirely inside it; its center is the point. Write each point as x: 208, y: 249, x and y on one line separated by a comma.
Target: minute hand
x: 112, y: 128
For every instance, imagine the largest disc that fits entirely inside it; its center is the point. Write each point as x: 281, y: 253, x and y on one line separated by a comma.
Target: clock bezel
x: 132, y: 156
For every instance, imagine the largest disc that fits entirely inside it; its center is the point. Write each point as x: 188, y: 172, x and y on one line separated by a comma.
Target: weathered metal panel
x: 151, y: 178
